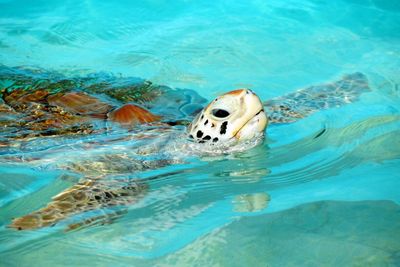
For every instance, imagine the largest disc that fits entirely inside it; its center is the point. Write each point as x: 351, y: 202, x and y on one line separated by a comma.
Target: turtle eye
x: 220, y: 113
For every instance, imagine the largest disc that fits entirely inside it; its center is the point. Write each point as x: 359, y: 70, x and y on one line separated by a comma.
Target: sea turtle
x: 233, y: 121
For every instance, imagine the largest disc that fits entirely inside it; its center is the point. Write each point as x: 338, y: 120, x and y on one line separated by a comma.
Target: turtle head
x: 235, y: 116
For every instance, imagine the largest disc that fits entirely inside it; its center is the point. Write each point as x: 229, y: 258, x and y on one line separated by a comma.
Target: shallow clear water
x: 295, y: 200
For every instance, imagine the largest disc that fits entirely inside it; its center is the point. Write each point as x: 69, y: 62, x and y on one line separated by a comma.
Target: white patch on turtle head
x: 237, y: 115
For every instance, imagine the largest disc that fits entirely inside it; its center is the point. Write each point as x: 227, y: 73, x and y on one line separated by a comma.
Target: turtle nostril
x: 220, y: 113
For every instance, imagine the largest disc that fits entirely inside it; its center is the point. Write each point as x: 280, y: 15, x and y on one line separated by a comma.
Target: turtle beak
x: 254, y: 127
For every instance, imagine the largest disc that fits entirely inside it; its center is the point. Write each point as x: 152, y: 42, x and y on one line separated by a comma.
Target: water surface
x: 327, y: 199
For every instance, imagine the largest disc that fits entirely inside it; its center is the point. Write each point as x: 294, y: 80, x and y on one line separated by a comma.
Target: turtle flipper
x: 300, y: 104
x: 103, y: 219
x: 87, y: 195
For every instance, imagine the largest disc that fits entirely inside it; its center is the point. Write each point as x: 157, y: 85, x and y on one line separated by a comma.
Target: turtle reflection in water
x: 36, y: 104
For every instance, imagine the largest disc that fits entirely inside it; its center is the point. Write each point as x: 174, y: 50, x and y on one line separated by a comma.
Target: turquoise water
x: 295, y: 200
